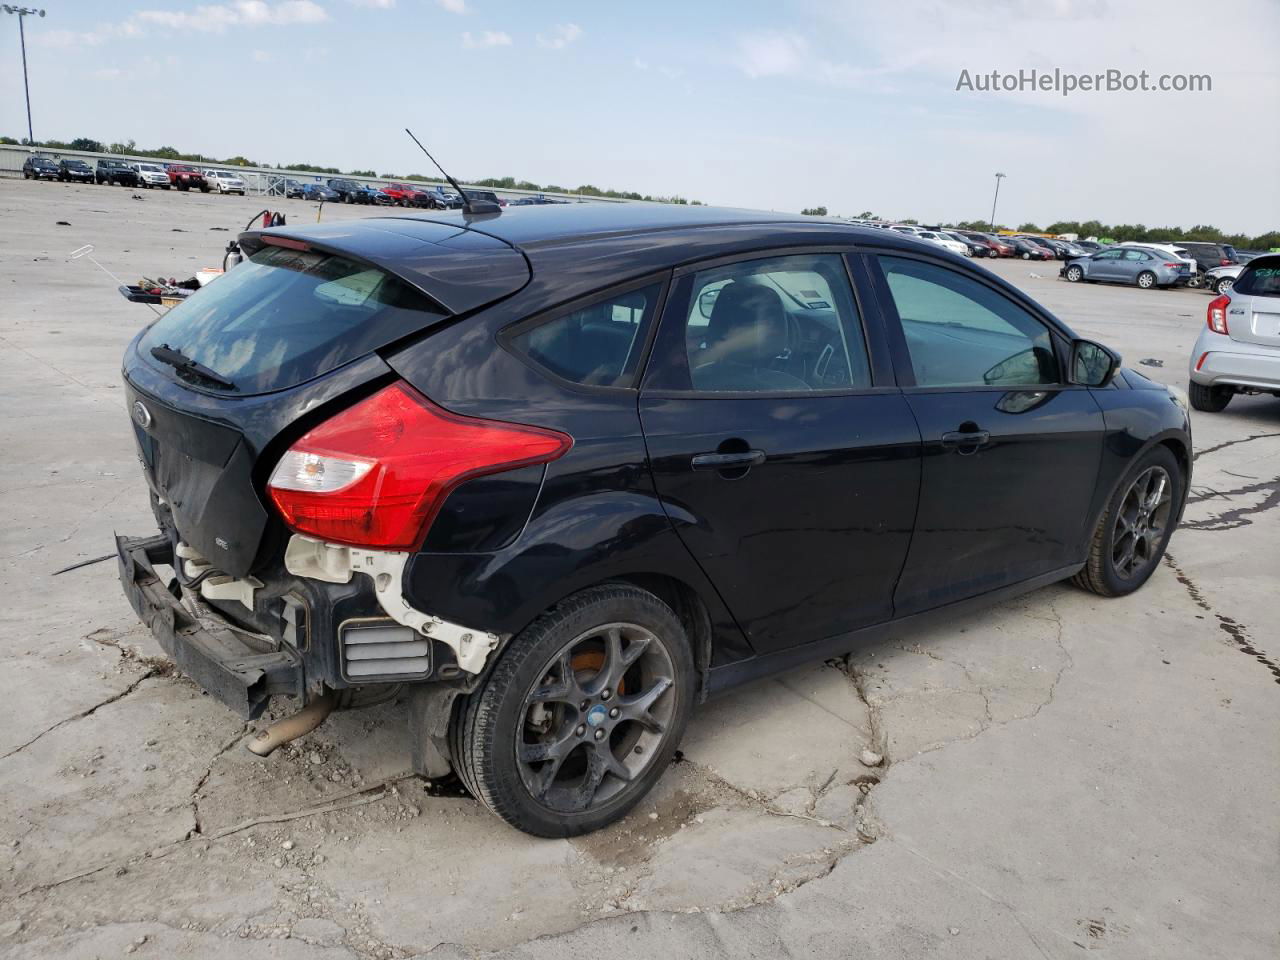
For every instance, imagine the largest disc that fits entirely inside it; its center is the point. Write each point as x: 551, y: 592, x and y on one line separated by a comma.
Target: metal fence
x: 260, y: 181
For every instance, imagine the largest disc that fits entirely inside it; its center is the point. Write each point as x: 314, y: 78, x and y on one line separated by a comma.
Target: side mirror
x: 1092, y: 364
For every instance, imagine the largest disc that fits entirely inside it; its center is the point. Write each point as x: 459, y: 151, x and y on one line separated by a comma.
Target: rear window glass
x: 1261, y: 278
x: 597, y: 345
x: 284, y: 316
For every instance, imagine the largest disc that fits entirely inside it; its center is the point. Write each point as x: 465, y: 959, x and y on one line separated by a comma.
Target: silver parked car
x: 1220, y: 279
x: 1239, y: 349
x: 1144, y: 267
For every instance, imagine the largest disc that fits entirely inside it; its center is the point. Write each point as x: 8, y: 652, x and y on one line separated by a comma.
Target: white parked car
x: 151, y: 175
x: 224, y: 181
x: 1239, y: 347
x: 955, y: 246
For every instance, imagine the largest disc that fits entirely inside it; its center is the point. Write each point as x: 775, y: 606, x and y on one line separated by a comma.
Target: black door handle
x: 728, y: 461
x: 966, y: 442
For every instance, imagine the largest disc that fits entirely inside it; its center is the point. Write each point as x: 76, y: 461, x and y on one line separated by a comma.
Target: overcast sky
x: 764, y: 104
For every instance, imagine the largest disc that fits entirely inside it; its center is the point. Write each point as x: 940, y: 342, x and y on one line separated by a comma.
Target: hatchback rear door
x: 1253, y: 315
x: 785, y: 456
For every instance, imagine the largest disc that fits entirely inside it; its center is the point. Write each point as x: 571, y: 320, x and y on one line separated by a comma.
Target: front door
x: 1011, y: 453
x: 790, y: 472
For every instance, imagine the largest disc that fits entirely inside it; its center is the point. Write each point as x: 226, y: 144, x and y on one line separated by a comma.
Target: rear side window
x: 285, y: 316
x: 1261, y: 278
x: 598, y: 345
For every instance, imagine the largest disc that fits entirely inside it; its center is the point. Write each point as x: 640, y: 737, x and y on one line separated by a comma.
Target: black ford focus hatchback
x: 554, y: 476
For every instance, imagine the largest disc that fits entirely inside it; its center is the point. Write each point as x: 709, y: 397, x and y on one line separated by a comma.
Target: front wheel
x: 1223, y: 285
x: 1146, y: 279
x: 581, y: 715
x: 1075, y: 274
x: 1134, y: 531
x: 1209, y: 399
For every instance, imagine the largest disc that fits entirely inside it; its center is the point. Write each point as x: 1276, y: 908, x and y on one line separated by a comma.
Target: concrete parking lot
x: 1056, y: 774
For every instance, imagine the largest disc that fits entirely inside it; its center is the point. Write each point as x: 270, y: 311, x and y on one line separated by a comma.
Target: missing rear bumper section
x: 334, y: 563
x: 222, y: 660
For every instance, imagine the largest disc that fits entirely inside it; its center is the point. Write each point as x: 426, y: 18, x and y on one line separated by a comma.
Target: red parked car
x: 404, y: 195
x: 184, y: 177
x: 1001, y: 246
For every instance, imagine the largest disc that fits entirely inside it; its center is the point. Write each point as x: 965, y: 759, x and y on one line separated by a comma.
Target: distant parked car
x: 74, y: 170
x: 1091, y: 246
x: 998, y: 244
x: 39, y: 168
x: 1239, y: 348
x: 1147, y: 268
x: 151, y: 175
x: 441, y: 199
x: 318, y: 191
x: 224, y: 181
x: 1046, y: 243
x: 1244, y: 256
x: 184, y: 177
x: 1209, y: 255
x: 348, y: 191
x: 116, y: 173
x: 955, y: 246
x: 293, y: 189
x: 1027, y: 250
x: 1221, y: 279
x: 405, y: 195
x: 976, y: 248
x: 372, y: 195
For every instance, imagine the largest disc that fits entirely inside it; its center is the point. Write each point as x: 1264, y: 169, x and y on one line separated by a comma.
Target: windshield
x: 284, y: 316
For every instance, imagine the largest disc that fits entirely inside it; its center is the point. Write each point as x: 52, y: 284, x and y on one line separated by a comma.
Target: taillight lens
x: 1173, y: 266
x: 1217, y: 316
x: 376, y: 474
x: 1224, y: 262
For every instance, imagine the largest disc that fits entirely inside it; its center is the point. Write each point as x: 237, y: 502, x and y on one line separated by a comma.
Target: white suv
x: 224, y: 181
x: 151, y: 175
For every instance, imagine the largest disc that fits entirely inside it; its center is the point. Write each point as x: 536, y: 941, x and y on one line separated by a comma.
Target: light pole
x: 22, y: 38
x: 999, y: 177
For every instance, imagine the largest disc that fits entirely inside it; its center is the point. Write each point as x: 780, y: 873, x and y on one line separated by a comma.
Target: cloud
x: 262, y: 56
x: 486, y: 38
x: 217, y: 17
x: 454, y: 6
x: 376, y: 4
x: 671, y: 73
x: 560, y: 37
x: 771, y: 54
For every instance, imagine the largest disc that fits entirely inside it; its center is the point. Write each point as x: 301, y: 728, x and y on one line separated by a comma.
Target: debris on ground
x: 1151, y: 362
x: 869, y: 758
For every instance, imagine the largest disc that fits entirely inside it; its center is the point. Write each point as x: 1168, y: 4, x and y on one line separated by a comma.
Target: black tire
x: 1209, y: 399
x: 184, y: 187
x: 204, y: 188
x: 490, y: 726
x: 1105, y: 571
x: 1074, y: 274
x: 1146, y: 280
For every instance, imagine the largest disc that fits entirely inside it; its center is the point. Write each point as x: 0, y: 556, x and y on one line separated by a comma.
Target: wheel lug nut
x: 585, y: 704
x: 582, y: 730
x: 614, y: 712
x: 605, y: 694
x: 599, y: 734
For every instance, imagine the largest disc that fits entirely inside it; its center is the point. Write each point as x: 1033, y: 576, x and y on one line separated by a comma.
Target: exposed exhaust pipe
x: 265, y: 742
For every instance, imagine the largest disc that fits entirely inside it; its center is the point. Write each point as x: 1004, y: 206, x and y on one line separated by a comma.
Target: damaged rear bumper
x: 206, y: 648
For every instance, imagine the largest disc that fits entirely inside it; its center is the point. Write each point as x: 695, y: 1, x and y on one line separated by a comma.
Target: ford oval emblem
x: 141, y: 414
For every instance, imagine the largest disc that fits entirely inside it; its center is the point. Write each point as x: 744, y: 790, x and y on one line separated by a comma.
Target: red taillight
x: 1224, y: 262
x: 376, y: 474
x: 1217, y: 316
x: 1173, y: 266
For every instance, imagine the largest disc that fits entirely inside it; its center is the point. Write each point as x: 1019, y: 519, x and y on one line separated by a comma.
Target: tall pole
x: 26, y: 87
x: 22, y: 38
x: 999, y: 177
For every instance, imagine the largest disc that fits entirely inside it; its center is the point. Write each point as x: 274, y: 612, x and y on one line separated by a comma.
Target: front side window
x: 961, y: 333
x: 598, y: 345
x: 781, y: 324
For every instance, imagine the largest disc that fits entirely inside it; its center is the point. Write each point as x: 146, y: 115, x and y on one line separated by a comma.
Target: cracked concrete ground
x: 1056, y: 773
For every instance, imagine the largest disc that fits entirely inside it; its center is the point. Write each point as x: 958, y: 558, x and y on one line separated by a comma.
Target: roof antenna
x: 469, y: 206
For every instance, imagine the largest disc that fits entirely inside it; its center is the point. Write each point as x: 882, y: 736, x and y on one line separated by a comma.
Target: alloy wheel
x: 1142, y: 523
x: 596, y: 717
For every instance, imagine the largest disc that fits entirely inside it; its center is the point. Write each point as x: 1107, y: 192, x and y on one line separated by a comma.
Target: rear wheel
x: 1133, y: 532
x: 1209, y: 399
x: 1075, y: 274
x: 1223, y: 285
x: 581, y: 715
x: 1146, y: 279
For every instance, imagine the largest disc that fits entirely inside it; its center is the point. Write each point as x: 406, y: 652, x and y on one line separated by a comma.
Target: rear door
x: 1010, y: 452
x: 783, y: 452
x: 1105, y: 265
x: 1253, y: 315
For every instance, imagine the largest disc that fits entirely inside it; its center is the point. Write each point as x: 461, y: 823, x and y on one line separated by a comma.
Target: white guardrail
x: 261, y: 181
